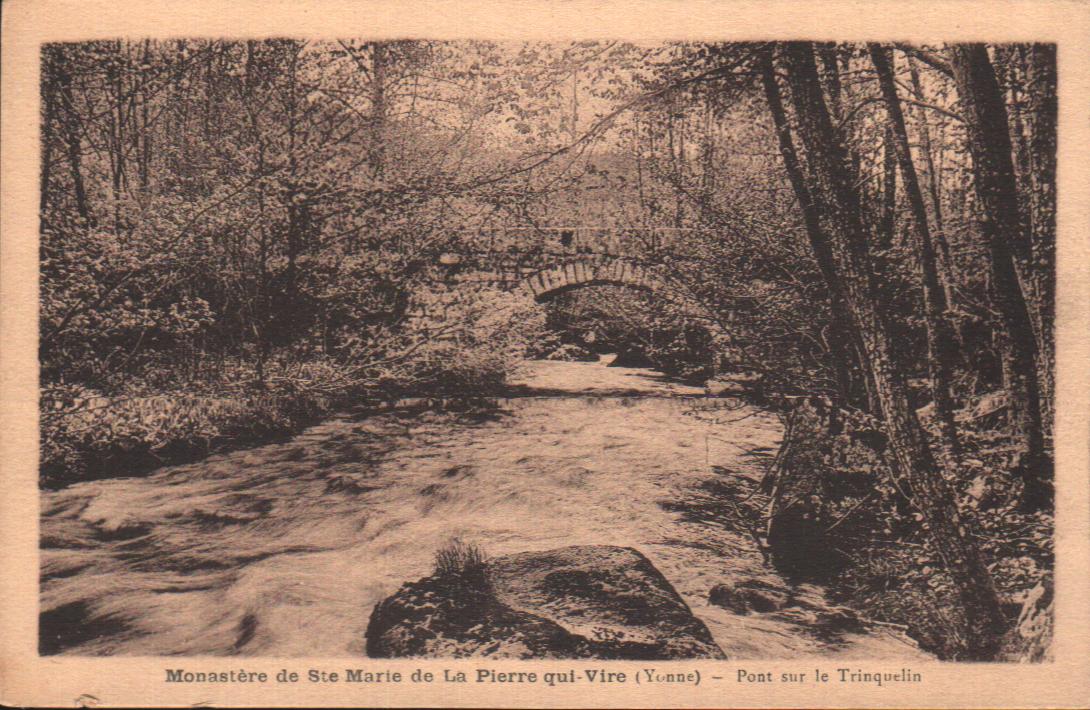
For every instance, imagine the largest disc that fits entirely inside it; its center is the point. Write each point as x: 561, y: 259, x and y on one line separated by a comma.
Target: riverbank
x: 85, y: 435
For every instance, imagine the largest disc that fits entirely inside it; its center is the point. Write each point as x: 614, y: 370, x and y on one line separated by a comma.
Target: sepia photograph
x: 604, y: 349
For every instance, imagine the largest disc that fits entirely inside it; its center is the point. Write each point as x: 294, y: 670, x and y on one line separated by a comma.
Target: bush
x: 570, y: 352
x: 473, y: 340
x: 459, y: 559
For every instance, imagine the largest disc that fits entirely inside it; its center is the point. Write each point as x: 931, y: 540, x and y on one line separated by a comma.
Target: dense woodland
x: 236, y: 235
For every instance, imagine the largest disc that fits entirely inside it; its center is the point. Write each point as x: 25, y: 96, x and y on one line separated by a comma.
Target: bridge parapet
x: 629, y: 242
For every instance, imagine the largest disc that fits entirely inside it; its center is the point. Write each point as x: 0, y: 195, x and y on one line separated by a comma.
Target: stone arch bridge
x: 573, y: 273
x: 545, y: 261
x: 548, y: 262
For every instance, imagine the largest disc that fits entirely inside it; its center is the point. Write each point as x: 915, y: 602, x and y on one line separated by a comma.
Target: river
x: 283, y: 549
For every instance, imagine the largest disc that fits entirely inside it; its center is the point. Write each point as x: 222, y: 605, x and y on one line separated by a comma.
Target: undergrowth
x: 836, y: 486
x: 87, y: 434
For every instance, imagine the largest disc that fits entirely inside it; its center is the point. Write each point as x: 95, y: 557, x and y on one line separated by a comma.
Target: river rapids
x: 283, y: 550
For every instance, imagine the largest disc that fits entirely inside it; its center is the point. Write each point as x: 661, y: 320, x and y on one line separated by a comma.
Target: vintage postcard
x: 531, y: 354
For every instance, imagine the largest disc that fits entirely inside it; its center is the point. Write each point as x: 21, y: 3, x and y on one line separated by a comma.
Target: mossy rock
x: 593, y: 601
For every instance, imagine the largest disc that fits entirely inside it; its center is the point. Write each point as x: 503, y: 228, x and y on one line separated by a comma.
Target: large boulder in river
x: 592, y: 601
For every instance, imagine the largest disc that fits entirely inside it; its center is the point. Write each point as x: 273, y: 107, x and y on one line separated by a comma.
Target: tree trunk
x: 707, y: 158
x: 982, y: 620
x: 1000, y: 224
x: 50, y: 110
x: 70, y: 126
x: 830, y: 75
x: 840, y: 346
x: 145, y: 123
x: 1042, y: 210
x: 946, y: 270
x: 117, y: 136
x: 940, y: 336
x: 889, y: 192
x: 639, y: 169
x: 293, y: 195
x: 378, y: 108
x: 575, y: 103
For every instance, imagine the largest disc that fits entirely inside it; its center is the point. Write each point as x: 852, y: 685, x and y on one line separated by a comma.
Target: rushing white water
x: 284, y: 549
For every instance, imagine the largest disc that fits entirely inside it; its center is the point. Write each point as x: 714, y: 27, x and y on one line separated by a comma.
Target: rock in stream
x: 586, y: 601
